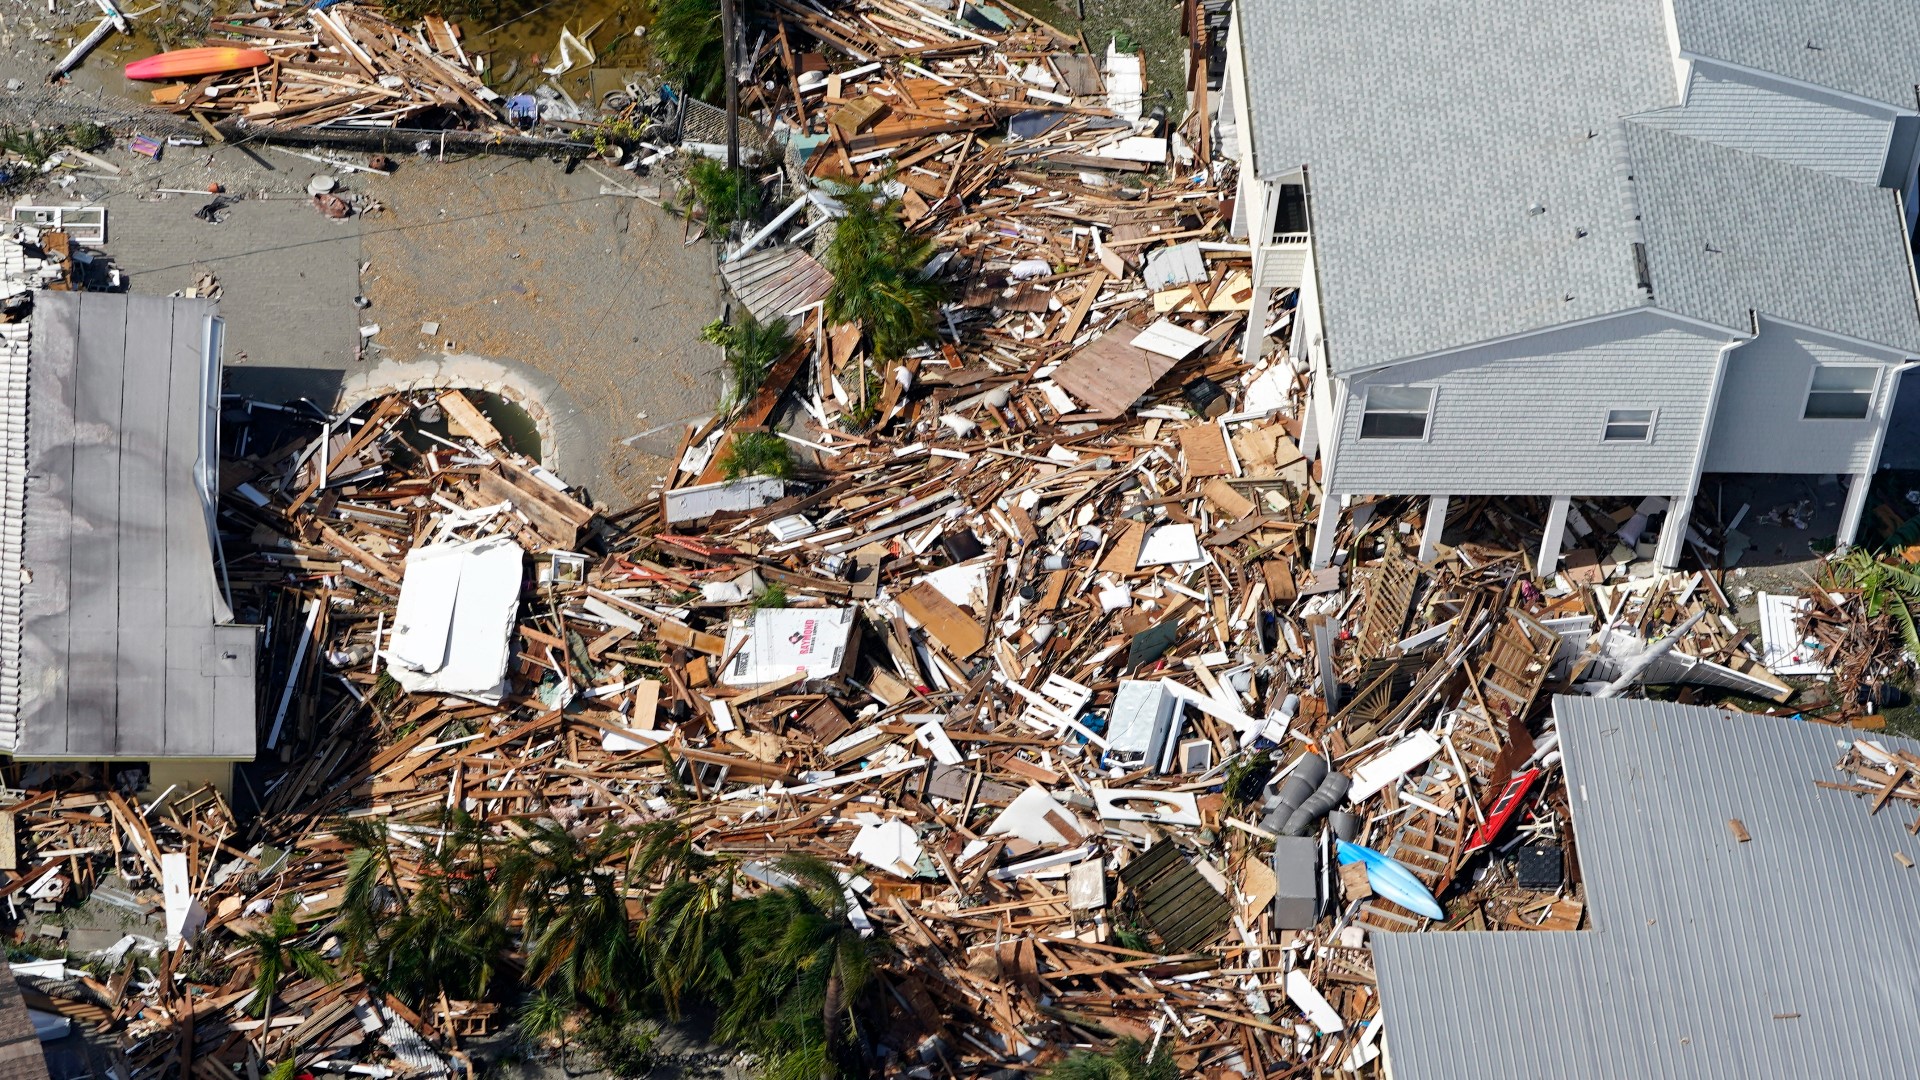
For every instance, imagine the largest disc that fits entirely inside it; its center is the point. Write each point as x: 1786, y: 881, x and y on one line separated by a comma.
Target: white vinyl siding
x: 1761, y: 425
x: 1524, y: 417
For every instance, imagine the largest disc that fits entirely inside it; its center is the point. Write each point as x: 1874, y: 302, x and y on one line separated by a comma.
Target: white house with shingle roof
x: 1583, y: 249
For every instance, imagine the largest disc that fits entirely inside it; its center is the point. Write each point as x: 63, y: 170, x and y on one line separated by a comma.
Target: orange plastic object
x: 184, y: 63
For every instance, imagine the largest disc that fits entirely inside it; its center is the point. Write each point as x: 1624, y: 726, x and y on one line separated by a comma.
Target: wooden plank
x: 1078, y: 314
x: 960, y: 632
x: 1109, y: 374
x: 470, y: 420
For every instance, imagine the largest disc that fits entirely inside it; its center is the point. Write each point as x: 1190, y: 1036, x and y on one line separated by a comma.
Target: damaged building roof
x: 116, y: 633
x: 1476, y: 173
x: 1710, y: 956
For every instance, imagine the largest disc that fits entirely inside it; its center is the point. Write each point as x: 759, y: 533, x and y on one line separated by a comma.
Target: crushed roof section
x: 1709, y: 958
x: 1730, y: 233
x: 1870, y: 48
x: 1823, y: 132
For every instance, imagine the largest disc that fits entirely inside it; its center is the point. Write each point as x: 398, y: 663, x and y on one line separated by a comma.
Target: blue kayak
x: 1391, y: 880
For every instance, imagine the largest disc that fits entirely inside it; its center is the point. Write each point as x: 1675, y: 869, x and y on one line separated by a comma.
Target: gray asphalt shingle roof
x: 1818, y: 131
x: 1866, y: 47
x: 1729, y: 233
x: 1468, y: 174
x: 1789, y: 955
x: 1429, y: 130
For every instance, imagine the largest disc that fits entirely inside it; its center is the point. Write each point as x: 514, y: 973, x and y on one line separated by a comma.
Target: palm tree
x: 684, y: 939
x: 1888, y: 587
x: 800, y: 967
x: 685, y: 36
x: 876, y: 265
x: 434, y: 929
x: 372, y: 891
x: 544, y: 1014
x: 1127, y: 1059
x: 574, y: 927
x: 277, y: 952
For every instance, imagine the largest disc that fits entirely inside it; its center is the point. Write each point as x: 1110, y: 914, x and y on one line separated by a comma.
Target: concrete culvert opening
x: 518, y: 430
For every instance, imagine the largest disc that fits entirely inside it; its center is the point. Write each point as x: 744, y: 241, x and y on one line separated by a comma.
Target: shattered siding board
x: 776, y: 281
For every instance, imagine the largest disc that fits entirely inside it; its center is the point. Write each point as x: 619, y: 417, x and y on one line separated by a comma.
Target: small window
x: 1841, y: 392
x: 1396, y: 412
x: 1629, y: 425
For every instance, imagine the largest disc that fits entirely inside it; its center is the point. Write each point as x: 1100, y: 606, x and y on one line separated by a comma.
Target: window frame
x: 1871, y: 393
x: 1607, y: 422
x: 1426, y: 427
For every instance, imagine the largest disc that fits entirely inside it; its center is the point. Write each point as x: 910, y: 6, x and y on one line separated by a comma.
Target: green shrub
x: 876, y: 266
x: 756, y: 453
x: 87, y: 137
x: 727, y: 195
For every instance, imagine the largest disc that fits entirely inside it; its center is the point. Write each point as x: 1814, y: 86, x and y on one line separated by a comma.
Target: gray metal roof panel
x: 1729, y: 233
x: 1870, y: 48
x: 1806, y: 128
x: 121, y: 651
x: 1709, y: 958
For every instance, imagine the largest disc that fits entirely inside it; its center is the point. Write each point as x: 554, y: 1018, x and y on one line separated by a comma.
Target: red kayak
x: 187, y: 63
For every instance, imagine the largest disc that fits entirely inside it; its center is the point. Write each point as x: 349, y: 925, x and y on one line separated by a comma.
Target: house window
x: 1841, y: 392
x: 1396, y: 412
x: 1629, y: 425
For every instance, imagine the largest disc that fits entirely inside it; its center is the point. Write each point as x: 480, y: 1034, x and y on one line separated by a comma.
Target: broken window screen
x: 1629, y: 425
x: 1841, y: 392
x: 1396, y: 412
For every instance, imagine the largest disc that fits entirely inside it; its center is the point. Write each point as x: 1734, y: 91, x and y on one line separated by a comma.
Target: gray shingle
x: 1866, y: 47
x: 1429, y: 130
x: 1708, y: 958
x: 1729, y: 233
x: 1808, y: 129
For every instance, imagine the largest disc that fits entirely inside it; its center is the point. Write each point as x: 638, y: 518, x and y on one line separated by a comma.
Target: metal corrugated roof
x: 1864, y: 47
x: 1792, y: 955
x: 1806, y: 128
x: 124, y: 647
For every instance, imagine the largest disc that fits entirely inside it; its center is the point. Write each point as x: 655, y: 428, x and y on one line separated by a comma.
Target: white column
x: 1855, y: 508
x: 1430, y: 531
x: 1310, y: 422
x: 1255, y: 341
x: 1324, y: 530
x: 1673, y: 534
x: 1556, y: 531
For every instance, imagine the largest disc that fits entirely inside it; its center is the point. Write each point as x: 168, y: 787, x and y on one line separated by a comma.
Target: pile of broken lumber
x: 339, y: 65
